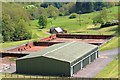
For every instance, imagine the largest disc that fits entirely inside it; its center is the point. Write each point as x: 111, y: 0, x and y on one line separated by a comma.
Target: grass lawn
x: 73, y: 26
x: 15, y: 43
x: 111, y: 71
x: 114, y: 43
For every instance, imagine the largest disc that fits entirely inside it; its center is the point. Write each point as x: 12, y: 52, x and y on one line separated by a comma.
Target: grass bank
x: 111, y: 71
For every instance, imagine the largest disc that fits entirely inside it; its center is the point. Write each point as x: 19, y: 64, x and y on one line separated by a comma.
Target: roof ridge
x: 58, y: 48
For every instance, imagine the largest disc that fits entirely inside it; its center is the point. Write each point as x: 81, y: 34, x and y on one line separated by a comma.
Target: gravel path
x: 99, y: 64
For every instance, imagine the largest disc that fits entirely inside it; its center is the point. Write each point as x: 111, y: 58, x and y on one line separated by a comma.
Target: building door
x: 85, y: 62
x: 76, y: 68
x: 93, y: 56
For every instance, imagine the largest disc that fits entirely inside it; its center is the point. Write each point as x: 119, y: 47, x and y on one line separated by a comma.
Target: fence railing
x: 7, y: 76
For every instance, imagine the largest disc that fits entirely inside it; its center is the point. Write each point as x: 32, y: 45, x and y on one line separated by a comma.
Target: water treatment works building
x: 59, y: 59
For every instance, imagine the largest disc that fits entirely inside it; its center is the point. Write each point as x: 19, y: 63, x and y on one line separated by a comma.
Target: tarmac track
x: 99, y: 64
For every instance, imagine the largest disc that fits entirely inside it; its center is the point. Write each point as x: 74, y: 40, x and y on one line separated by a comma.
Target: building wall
x: 76, y: 68
x: 82, y: 62
x: 42, y: 66
x: 45, y: 43
x: 84, y: 36
x: 54, y: 32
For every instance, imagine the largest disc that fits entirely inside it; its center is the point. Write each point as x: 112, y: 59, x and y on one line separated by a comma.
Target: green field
x: 111, y: 71
x: 114, y: 43
x: 72, y: 26
x: 15, y: 43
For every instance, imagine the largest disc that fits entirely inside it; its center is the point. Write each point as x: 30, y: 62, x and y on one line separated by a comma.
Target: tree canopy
x: 42, y: 21
x: 14, y: 22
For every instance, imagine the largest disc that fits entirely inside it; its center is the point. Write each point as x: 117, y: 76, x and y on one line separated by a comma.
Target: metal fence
x: 7, y: 76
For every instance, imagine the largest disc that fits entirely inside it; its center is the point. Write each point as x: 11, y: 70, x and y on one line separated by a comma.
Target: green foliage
x: 102, y: 18
x: 21, y: 31
x: 72, y: 26
x: 61, y: 14
x: 62, y: 10
x: 7, y: 28
x: 14, y: 18
x: 55, y: 4
x: 69, y: 8
x: 104, y: 14
x: 52, y: 12
x: 42, y: 21
x: 33, y: 13
x: 73, y: 15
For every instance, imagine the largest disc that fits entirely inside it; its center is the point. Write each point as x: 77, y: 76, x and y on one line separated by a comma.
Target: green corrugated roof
x: 68, y: 51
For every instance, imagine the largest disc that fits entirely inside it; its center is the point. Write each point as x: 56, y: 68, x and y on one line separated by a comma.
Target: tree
x: 52, y: 12
x: 69, y: 8
x: 84, y: 7
x: 101, y: 18
x: 7, y: 28
x: 42, y: 11
x: 98, y: 6
x: 98, y: 19
x: 104, y: 14
x: 22, y: 32
x: 42, y: 21
x: 14, y: 22
x: 62, y: 10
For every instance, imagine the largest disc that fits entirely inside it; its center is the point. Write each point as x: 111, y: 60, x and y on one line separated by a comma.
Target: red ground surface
x: 32, y: 48
x: 35, y: 48
x: 79, y: 40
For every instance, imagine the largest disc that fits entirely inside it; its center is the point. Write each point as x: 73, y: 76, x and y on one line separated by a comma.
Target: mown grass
x: 15, y: 43
x: 114, y: 43
x: 111, y: 71
x: 73, y: 25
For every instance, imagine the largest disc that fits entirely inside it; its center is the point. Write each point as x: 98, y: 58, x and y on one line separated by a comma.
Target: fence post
x: 49, y: 77
x: 11, y: 75
x: 56, y: 77
x: 36, y: 76
x: 43, y: 78
x: 17, y: 75
x: 62, y: 77
x: 5, y: 74
x: 69, y: 78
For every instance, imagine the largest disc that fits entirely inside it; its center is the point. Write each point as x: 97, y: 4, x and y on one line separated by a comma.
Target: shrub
x: 61, y: 14
x: 72, y: 16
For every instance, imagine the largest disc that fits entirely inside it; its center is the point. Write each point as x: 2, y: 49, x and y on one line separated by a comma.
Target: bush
x: 61, y: 14
x: 107, y: 24
x: 42, y: 22
x: 72, y: 16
